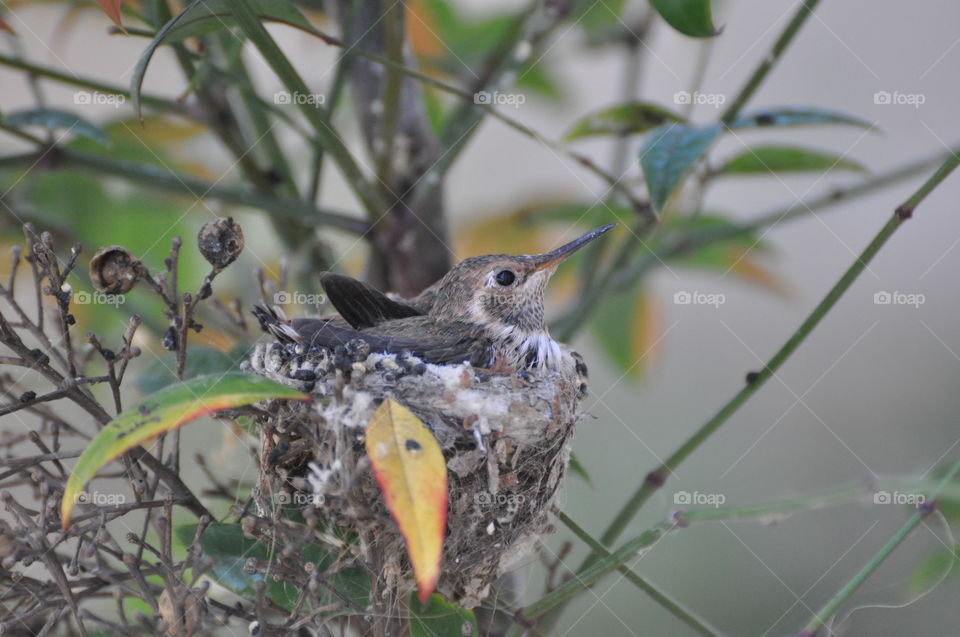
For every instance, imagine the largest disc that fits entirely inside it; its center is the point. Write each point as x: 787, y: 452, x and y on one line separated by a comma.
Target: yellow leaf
x: 412, y: 473
x: 646, y: 332
x: 744, y: 266
x: 422, y: 30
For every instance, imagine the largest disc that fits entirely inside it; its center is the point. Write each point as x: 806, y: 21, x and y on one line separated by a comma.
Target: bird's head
x: 501, y: 290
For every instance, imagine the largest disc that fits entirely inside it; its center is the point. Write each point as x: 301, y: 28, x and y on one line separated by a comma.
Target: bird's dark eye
x: 505, y: 277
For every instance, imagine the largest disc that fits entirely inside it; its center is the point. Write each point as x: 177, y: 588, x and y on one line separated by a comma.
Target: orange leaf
x: 422, y: 30
x: 412, y: 473
x: 6, y: 27
x: 112, y: 9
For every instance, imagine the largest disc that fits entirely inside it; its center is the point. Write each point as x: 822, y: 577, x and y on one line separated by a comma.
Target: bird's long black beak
x: 554, y: 257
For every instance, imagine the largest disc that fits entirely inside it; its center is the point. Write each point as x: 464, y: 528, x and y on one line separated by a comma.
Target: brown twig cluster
x: 77, y: 581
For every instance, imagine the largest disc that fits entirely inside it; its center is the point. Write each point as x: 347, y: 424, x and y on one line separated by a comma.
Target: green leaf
x: 784, y: 159
x: 689, y: 17
x: 624, y: 119
x: 585, y: 214
x: 619, y: 327
x: 796, y: 116
x: 164, y: 411
x: 228, y: 549
x: 929, y: 572
x: 735, y: 255
x: 577, y: 468
x: 440, y: 618
x: 52, y: 119
x: 206, y: 16
x: 200, y: 361
x: 668, y: 154
x: 593, y: 16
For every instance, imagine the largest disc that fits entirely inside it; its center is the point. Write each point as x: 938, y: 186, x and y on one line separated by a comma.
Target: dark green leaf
x: 795, y: 116
x: 440, y: 618
x: 52, y: 119
x: 689, y: 17
x: 577, y: 468
x: 624, y: 119
x: 204, y: 16
x: 229, y: 549
x: 783, y: 159
x: 668, y: 154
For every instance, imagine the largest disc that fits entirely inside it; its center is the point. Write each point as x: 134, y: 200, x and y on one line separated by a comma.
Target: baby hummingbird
x: 486, y: 310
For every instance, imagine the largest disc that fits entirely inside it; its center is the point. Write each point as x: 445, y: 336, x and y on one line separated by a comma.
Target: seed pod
x: 220, y: 241
x: 188, y: 623
x: 113, y: 270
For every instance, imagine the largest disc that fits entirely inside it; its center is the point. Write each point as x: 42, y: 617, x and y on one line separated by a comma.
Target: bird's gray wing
x: 360, y: 305
x: 441, y: 349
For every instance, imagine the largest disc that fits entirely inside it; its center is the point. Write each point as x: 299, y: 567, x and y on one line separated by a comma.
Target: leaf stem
x: 672, y: 606
x: 924, y: 510
x: 253, y: 28
x: 658, y: 476
x: 187, y: 185
x: 768, y: 62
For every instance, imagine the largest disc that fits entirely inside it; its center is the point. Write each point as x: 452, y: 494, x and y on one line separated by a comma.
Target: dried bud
x: 113, y: 270
x: 220, y: 241
x: 188, y: 623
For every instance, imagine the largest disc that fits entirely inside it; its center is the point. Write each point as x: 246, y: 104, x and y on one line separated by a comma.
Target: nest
x: 505, y: 439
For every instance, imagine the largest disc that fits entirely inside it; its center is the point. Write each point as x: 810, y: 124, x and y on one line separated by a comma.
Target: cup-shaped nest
x: 505, y: 439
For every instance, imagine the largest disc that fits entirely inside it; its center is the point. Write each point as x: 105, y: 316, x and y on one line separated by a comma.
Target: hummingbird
x: 486, y: 310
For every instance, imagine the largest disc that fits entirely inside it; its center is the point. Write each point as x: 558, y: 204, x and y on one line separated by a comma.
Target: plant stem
x: 761, y: 72
x: 611, y: 561
x: 658, y: 476
x: 179, y: 183
x: 923, y: 511
x: 88, y: 83
x: 393, y: 34
x: 253, y: 28
x: 590, y: 575
x: 673, y: 607
x: 568, y: 325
